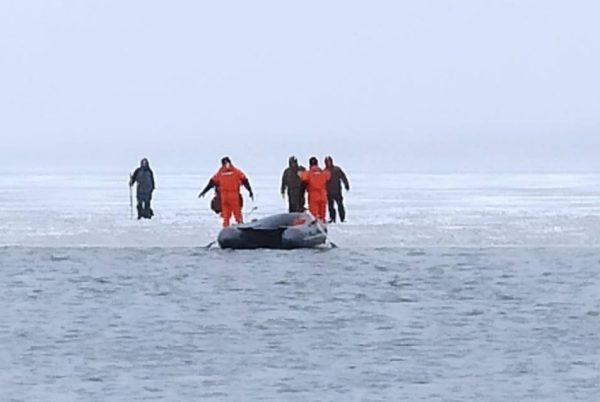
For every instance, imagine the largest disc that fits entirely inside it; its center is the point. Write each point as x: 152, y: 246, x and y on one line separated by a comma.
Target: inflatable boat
x: 283, y: 231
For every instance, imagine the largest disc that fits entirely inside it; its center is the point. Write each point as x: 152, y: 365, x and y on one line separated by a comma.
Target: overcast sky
x: 421, y: 85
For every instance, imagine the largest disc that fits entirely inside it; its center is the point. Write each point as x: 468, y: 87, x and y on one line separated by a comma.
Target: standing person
x: 144, y: 177
x: 334, y: 190
x: 291, y: 182
x: 228, y: 180
x: 316, y: 180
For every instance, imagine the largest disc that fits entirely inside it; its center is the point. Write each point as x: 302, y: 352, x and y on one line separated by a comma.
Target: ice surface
x: 383, y: 210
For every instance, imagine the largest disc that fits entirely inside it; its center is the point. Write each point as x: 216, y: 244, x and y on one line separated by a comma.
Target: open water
x: 443, y: 288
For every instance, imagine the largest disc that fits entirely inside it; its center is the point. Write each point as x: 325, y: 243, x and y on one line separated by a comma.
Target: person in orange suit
x: 315, y: 179
x: 228, y: 181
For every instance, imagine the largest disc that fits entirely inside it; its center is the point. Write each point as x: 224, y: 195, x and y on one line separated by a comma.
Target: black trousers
x: 295, y: 202
x: 143, y: 208
x: 338, y: 199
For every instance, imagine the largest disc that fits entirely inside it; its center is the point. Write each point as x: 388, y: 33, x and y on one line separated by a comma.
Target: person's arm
x: 152, y: 179
x: 211, y: 184
x: 284, y: 182
x: 246, y: 183
x: 345, y: 179
x: 133, y: 177
x: 243, y: 179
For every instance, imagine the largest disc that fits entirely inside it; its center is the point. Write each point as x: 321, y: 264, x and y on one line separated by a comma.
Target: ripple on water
x: 375, y: 324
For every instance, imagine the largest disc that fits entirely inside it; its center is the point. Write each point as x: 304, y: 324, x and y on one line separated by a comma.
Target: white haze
x: 416, y: 86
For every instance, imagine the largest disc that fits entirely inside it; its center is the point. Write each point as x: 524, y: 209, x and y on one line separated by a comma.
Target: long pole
x: 130, y: 199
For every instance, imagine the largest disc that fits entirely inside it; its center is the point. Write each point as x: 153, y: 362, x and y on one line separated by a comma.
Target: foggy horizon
x: 427, y: 87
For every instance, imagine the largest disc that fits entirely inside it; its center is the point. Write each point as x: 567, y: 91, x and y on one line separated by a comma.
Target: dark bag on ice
x: 215, y: 203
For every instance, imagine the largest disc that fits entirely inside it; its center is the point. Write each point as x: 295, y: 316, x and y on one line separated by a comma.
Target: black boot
x: 149, y: 212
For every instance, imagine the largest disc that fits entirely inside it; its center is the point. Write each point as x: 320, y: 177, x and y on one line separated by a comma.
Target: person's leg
x: 330, y: 204
x: 341, y: 209
x: 313, y: 207
x: 323, y: 211
x: 298, y: 202
x: 225, y: 211
x: 145, y: 209
x: 143, y: 205
x: 301, y: 201
x: 236, y: 208
x: 140, y: 208
x: 149, y: 208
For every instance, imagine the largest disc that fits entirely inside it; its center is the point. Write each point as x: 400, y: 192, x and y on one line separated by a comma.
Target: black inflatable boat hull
x: 283, y: 231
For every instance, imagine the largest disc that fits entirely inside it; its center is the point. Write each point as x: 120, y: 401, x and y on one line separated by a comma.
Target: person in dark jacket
x: 144, y: 177
x: 290, y: 182
x: 334, y: 190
